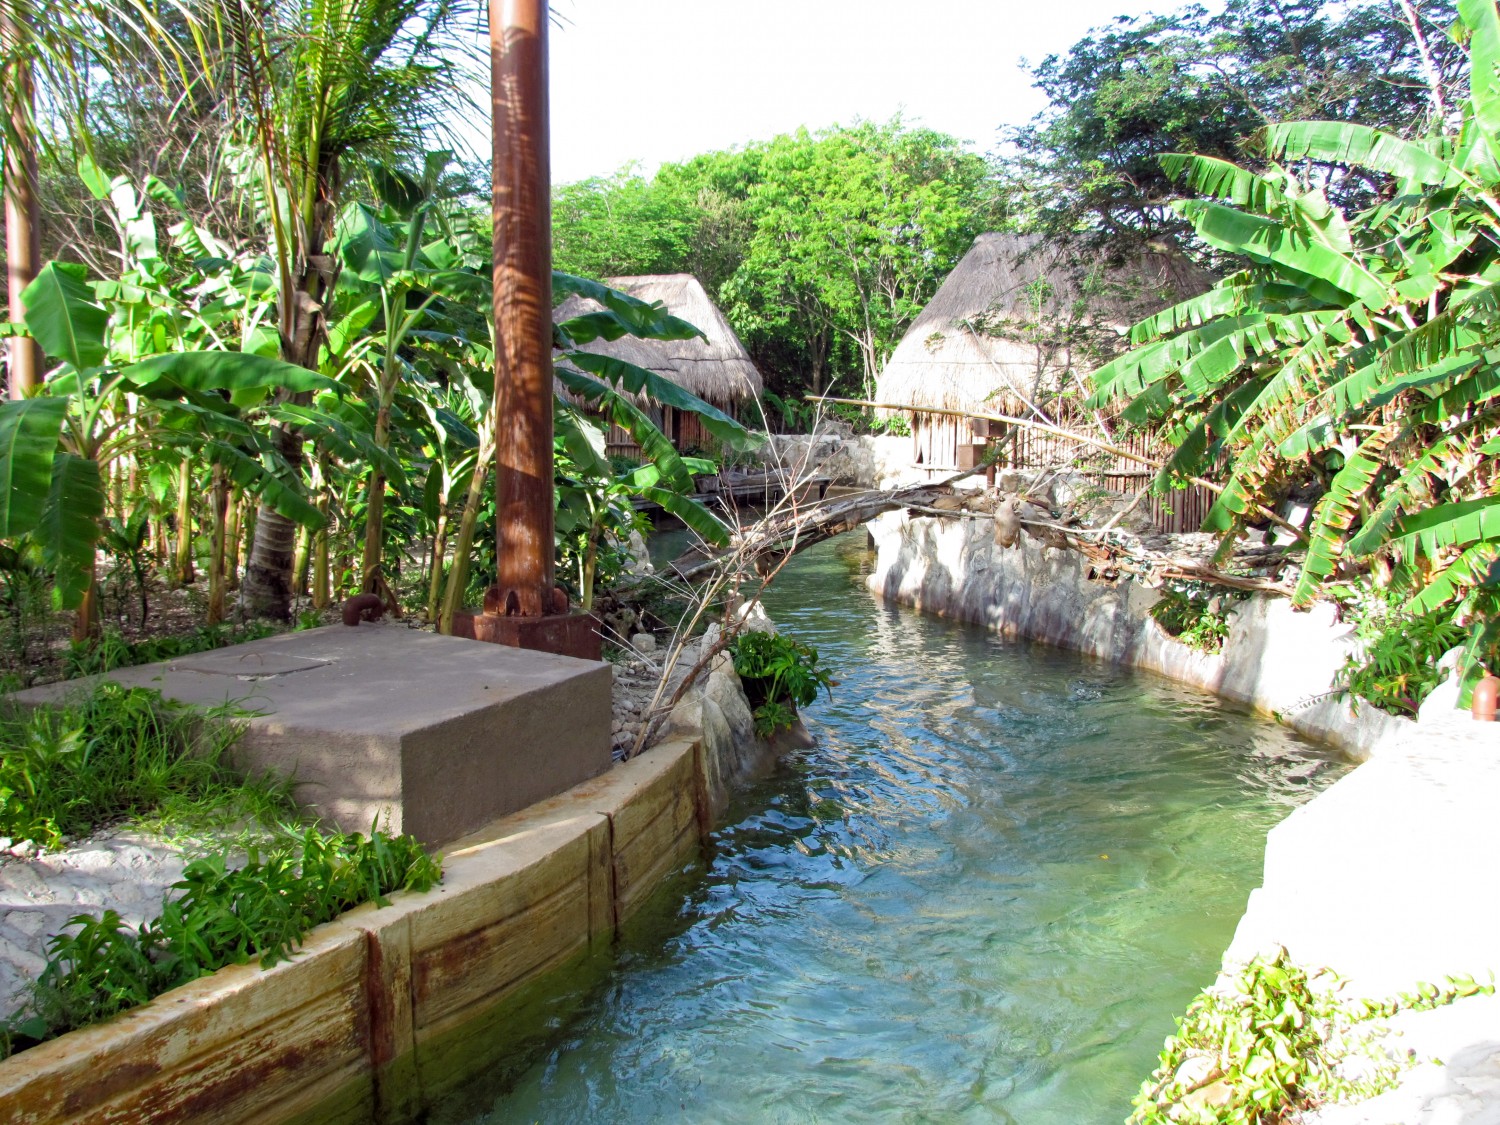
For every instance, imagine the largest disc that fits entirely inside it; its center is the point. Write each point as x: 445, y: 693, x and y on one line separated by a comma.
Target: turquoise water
x: 983, y: 896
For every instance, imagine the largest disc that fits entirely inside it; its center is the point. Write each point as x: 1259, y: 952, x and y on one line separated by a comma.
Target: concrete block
x: 426, y: 734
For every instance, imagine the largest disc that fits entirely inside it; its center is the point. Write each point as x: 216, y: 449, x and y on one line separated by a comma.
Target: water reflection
x: 981, y: 898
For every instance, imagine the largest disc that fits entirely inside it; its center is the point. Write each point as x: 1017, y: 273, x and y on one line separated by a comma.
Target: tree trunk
x: 303, y: 563
x: 23, y: 240
x: 458, y: 577
x: 369, y: 568
x: 232, y: 539
x: 439, y: 551
x: 182, y: 569
x: 216, y: 573
x: 321, y: 592
x: 303, y: 325
x: 266, y: 590
x: 86, y: 618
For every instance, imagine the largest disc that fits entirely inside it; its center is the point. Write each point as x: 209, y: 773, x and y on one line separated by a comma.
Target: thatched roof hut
x: 1018, y: 317
x: 716, y: 369
x: 1018, y: 321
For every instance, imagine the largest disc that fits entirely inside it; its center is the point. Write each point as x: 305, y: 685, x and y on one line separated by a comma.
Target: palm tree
x: 325, y: 84
x: 52, y: 45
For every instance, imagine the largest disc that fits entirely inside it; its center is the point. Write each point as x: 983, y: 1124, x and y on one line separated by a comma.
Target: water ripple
x: 982, y: 897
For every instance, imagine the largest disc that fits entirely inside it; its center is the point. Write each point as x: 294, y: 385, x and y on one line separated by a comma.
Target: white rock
x: 644, y: 642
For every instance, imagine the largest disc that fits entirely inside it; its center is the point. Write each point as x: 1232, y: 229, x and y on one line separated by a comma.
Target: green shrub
x: 122, y: 752
x: 224, y: 915
x: 1194, y: 614
x: 780, y: 675
x: 1396, y: 666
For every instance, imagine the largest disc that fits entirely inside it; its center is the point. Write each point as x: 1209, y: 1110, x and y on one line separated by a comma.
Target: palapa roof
x: 1008, y: 323
x: 717, y: 369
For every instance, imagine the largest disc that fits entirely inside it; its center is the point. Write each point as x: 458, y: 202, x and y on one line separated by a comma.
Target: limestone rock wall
x: 1276, y: 659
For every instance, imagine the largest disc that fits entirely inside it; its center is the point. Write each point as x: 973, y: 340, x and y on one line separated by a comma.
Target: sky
x: 662, y: 80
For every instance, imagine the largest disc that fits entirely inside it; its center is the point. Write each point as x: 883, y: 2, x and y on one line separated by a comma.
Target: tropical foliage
x: 1352, y: 356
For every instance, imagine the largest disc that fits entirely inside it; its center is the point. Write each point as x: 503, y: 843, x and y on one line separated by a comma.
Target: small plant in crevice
x: 780, y: 674
x: 1195, y: 614
x: 1276, y: 1039
x: 223, y: 915
x: 1396, y: 664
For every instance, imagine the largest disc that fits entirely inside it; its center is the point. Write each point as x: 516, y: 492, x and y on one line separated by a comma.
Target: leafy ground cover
x: 1273, y: 1039
x: 116, y: 753
x: 224, y: 913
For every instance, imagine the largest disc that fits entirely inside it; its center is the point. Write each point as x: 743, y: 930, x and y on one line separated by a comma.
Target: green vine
x: 1271, y: 1041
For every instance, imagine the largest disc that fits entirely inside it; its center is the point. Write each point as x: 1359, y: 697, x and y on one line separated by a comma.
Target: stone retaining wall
x: 1386, y: 877
x: 1277, y: 660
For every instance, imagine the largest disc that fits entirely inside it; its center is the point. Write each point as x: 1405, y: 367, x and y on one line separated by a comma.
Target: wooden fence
x: 943, y: 445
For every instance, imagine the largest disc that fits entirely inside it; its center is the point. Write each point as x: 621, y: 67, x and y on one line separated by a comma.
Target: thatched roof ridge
x: 717, y: 369
x: 969, y: 349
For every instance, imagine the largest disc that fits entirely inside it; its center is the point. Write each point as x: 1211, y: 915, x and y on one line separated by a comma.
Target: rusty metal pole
x: 23, y: 251
x: 523, y: 310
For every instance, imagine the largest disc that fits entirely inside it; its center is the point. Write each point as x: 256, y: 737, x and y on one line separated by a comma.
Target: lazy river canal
x: 982, y: 897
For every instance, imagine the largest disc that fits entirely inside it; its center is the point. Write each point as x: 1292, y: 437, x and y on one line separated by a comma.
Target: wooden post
x: 523, y: 310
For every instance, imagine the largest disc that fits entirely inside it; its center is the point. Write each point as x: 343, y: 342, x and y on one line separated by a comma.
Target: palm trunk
x: 266, y: 590
x: 458, y: 577
x: 23, y: 242
x: 182, y: 570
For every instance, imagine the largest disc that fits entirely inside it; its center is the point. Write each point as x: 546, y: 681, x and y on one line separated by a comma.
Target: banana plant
x: 1355, y: 350
x: 57, y: 447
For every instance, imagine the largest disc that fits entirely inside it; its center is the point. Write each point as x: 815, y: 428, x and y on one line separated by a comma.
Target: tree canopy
x: 1204, y: 83
x: 820, y: 246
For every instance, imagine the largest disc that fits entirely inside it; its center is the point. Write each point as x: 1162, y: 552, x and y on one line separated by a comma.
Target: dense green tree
x: 854, y: 229
x: 1204, y: 83
x: 820, y: 247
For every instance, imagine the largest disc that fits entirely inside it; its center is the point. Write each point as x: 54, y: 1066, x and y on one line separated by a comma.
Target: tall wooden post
x: 522, y: 608
x: 23, y: 252
x: 523, y: 309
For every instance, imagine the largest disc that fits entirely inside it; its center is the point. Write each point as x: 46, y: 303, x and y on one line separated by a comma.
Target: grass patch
x: 222, y: 915
x: 113, y: 651
x: 126, y: 753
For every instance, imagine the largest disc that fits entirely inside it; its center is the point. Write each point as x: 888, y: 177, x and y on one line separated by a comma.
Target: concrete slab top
x: 376, y: 679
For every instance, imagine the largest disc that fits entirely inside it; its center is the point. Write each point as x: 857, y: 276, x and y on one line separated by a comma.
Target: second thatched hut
x: 1014, y: 330
x: 716, y: 369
